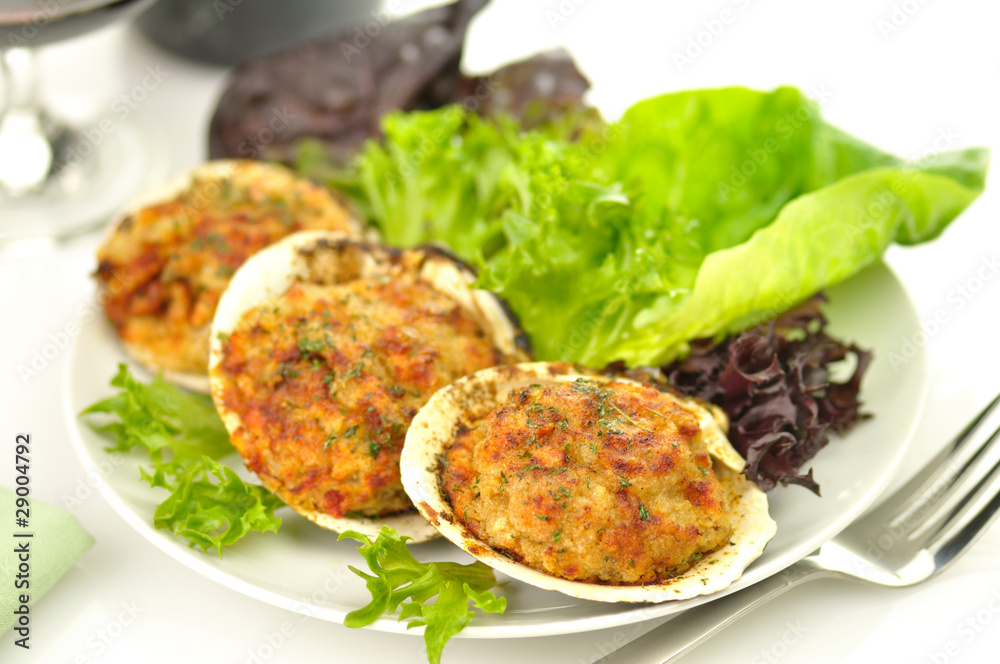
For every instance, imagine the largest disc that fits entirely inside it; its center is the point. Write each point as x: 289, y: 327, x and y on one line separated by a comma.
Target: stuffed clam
x: 167, y: 258
x: 323, y: 350
x: 603, y: 489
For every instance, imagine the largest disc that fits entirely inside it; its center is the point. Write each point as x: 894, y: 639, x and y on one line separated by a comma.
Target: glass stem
x: 28, y: 137
x: 21, y: 69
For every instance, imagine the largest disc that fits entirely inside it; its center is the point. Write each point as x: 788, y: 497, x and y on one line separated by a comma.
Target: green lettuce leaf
x: 697, y: 214
x: 401, y: 582
x: 208, y: 504
x: 211, y: 507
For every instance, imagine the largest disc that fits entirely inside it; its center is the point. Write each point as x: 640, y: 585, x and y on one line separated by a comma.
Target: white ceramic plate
x: 304, y: 568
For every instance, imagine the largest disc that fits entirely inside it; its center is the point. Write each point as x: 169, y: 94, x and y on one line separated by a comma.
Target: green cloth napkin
x: 57, y: 541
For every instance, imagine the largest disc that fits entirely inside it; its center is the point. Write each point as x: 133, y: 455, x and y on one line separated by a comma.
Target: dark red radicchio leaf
x: 335, y: 92
x: 774, y: 384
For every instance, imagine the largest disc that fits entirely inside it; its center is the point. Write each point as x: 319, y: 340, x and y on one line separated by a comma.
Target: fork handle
x: 683, y: 632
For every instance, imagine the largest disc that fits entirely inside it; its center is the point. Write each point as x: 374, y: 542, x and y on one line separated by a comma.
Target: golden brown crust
x: 164, y: 267
x: 598, y: 482
x: 327, y: 378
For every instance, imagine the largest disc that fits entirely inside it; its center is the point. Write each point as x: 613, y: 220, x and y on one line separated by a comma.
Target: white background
x: 899, y: 74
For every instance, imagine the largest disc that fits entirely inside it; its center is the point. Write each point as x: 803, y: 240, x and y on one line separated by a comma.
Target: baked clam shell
x: 468, y: 400
x: 269, y: 273
x: 168, y: 190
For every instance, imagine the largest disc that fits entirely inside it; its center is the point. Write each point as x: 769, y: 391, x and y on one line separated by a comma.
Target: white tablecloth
x: 909, y: 75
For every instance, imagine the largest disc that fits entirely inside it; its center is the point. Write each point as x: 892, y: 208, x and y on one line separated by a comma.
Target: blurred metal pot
x: 234, y: 31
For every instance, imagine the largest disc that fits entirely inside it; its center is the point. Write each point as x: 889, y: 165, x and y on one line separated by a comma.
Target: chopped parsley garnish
x: 530, y: 466
x: 561, y: 493
x: 312, y: 345
x: 630, y: 420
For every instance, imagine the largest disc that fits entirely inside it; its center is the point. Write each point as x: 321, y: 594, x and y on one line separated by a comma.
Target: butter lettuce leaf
x: 817, y: 240
x: 697, y: 214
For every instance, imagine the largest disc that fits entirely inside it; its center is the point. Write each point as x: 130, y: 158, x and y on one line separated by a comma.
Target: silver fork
x: 913, y: 535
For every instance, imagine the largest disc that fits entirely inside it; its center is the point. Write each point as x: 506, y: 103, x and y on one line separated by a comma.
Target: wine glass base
x: 95, y: 175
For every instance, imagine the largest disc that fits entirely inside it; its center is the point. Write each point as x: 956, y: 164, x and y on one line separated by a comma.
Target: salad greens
x: 698, y: 214
x: 401, y: 582
x: 209, y: 505
x: 212, y: 507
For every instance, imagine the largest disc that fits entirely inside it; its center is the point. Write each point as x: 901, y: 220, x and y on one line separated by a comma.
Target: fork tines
x: 949, y: 503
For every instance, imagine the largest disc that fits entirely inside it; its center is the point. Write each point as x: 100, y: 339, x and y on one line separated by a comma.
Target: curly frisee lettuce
x: 209, y: 505
x: 401, y: 582
x: 212, y: 507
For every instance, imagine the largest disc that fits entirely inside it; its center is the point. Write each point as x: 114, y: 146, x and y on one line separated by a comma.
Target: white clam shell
x: 469, y: 399
x: 270, y: 272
